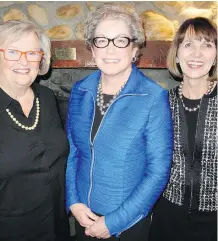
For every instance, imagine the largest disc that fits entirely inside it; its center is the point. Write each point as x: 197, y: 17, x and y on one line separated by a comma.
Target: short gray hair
x: 114, y: 11
x: 12, y: 30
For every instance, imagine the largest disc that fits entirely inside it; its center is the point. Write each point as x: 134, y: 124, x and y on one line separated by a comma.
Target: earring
x: 133, y: 59
x: 177, y: 60
x: 93, y: 61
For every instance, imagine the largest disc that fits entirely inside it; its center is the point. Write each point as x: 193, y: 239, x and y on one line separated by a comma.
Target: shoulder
x: 173, y: 92
x: 87, y: 81
x: 43, y: 89
x: 46, y: 94
x: 150, y: 85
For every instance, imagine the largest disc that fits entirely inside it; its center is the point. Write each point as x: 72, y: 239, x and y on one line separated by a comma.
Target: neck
x: 195, y: 88
x: 16, y: 93
x: 111, y: 84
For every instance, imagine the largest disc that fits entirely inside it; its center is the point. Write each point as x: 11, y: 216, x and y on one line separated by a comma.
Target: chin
x: 24, y: 82
x: 112, y: 70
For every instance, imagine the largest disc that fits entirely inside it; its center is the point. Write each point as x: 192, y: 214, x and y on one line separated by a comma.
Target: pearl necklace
x: 100, y: 98
x: 28, y: 128
x: 198, y: 106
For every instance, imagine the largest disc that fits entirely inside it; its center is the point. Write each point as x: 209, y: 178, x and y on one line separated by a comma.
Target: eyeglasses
x: 119, y: 42
x: 15, y: 55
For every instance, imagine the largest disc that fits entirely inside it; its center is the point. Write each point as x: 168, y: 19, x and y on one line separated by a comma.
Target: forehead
x: 112, y: 27
x: 199, y: 35
x: 25, y: 40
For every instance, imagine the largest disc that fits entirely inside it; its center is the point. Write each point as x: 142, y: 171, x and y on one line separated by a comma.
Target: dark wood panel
x: 153, y: 54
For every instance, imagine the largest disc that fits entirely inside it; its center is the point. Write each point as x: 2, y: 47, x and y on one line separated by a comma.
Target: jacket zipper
x: 92, y: 150
x: 132, y: 224
x: 193, y: 160
x: 92, y: 143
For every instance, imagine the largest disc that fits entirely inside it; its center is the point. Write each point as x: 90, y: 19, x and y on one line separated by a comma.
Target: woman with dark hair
x: 187, y: 211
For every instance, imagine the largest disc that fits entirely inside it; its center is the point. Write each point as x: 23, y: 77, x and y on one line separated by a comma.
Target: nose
x: 23, y: 60
x: 111, y: 47
x: 197, y: 52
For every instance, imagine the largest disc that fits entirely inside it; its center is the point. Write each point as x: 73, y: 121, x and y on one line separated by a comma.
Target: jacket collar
x: 6, y: 100
x: 133, y: 85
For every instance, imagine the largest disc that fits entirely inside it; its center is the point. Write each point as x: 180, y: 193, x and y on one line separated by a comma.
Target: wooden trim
x: 74, y: 54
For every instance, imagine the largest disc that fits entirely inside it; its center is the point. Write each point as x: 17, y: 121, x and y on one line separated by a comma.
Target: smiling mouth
x: 21, y: 71
x: 111, y: 60
x: 195, y: 64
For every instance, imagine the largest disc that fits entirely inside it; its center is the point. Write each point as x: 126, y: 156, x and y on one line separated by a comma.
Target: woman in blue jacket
x: 120, y: 133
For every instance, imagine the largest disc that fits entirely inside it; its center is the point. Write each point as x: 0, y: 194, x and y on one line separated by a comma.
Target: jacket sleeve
x: 159, y: 148
x: 72, y: 161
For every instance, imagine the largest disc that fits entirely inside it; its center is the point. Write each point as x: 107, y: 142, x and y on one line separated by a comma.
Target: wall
x: 65, y: 19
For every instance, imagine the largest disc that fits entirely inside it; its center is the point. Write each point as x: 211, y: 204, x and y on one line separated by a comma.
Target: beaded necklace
x: 28, y: 128
x: 198, y: 106
x: 100, y: 98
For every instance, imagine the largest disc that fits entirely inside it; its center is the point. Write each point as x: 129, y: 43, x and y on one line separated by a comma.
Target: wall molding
x: 74, y: 54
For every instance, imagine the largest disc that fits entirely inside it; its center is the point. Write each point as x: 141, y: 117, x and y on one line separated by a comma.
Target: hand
x: 83, y: 214
x: 98, y: 229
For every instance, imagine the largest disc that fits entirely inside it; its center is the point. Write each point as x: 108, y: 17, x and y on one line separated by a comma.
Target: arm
x: 71, y: 191
x: 159, y: 147
x: 80, y: 211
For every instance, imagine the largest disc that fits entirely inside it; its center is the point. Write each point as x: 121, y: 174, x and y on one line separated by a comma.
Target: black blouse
x: 98, y: 116
x: 32, y: 169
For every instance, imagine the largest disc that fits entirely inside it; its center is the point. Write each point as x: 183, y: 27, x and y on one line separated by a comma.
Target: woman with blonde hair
x: 120, y: 133
x: 33, y: 144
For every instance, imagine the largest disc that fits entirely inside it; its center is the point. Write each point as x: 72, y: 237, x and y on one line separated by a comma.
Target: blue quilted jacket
x: 123, y: 172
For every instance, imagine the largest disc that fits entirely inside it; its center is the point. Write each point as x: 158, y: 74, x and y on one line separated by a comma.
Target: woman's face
x: 20, y: 73
x: 196, y: 57
x: 112, y: 60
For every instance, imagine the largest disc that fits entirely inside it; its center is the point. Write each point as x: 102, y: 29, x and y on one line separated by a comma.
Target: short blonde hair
x: 12, y: 30
x: 114, y: 11
x: 200, y: 27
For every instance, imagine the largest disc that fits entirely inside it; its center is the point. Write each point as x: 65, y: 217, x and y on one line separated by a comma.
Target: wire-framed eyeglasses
x: 15, y: 55
x: 119, y: 42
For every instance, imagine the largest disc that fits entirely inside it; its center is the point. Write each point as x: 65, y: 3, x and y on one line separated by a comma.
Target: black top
x: 98, y: 116
x: 194, y: 170
x: 32, y: 170
x: 191, y: 119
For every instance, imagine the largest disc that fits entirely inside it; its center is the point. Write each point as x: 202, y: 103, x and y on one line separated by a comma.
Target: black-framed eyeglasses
x: 119, y: 42
x: 15, y: 55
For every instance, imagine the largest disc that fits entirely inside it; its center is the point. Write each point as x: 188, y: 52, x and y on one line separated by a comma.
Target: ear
x: 93, y: 53
x: 134, y: 51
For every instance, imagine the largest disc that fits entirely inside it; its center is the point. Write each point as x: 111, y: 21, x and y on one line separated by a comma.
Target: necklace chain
x: 100, y: 98
x: 210, y: 87
x: 28, y: 128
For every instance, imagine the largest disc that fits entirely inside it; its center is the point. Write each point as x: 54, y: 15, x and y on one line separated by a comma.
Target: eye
x: 101, y: 40
x: 32, y: 53
x: 121, y: 40
x: 208, y: 45
x: 187, y: 45
x: 12, y: 51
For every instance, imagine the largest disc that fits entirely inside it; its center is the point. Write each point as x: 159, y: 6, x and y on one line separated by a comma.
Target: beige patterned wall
x: 65, y: 20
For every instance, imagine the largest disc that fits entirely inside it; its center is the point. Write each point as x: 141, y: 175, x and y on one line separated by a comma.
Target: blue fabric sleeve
x: 71, y: 191
x: 159, y: 148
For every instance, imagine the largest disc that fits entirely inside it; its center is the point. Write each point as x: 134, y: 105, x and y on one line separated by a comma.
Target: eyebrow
x: 119, y: 35
x: 16, y: 48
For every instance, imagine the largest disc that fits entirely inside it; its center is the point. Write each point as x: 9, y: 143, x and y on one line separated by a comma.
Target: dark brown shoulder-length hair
x: 199, y: 27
